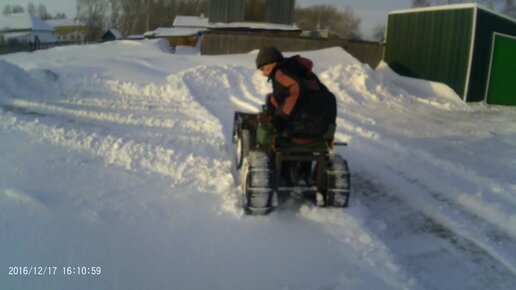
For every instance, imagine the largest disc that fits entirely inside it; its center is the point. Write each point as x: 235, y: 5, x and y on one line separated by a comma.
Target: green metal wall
x: 433, y: 45
x: 502, y: 80
x: 487, y: 24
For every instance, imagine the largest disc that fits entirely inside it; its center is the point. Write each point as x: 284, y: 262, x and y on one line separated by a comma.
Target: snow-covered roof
x: 115, y: 33
x: 190, y: 21
x: 255, y: 25
x: 451, y: 7
x: 65, y: 22
x: 173, y: 31
x: 22, y: 21
x: 435, y: 8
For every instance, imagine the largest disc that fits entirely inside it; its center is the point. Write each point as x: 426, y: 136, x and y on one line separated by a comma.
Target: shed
x: 111, y: 34
x: 466, y: 46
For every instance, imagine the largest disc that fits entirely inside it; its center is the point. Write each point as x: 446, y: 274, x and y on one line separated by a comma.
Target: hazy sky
x: 372, y: 12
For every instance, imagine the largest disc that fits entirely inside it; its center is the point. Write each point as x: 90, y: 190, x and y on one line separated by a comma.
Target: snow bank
x: 17, y: 83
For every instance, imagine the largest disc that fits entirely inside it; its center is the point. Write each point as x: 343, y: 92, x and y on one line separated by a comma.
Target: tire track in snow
x: 437, y: 186
x: 430, y: 200
x: 426, y: 246
x: 440, y: 182
x: 106, y: 117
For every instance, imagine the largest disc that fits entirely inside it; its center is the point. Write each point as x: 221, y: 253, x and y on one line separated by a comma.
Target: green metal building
x: 466, y: 46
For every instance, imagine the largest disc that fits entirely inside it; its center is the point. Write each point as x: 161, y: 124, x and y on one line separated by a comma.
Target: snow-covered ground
x: 119, y: 156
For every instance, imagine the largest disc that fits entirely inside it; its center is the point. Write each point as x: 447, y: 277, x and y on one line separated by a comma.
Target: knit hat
x: 268, y: 54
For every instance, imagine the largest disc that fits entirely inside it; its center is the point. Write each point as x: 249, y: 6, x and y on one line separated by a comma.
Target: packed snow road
x: 119, y: 156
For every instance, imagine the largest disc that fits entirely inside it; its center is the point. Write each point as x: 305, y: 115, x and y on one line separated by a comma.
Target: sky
x: 372, y: 12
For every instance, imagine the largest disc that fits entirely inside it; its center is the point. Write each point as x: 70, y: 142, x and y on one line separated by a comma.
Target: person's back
x: 303, y: 108
x: 317, y: 101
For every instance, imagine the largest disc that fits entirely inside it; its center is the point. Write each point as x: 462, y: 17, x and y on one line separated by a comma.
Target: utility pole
x: 148, y: 17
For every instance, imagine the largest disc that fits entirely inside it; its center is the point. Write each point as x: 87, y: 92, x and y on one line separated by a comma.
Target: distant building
x: 470, y: 48
x: 112, y: 34
x: 24, y: 28
x: 186, y: 31
x: 69, y: 30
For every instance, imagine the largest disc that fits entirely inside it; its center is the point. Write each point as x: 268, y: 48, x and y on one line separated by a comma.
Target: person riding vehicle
x: 301, y: 107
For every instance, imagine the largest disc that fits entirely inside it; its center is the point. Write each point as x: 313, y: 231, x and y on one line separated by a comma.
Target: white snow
x: 119, y: 155
x: 173, y: 31
x: 190, y: 21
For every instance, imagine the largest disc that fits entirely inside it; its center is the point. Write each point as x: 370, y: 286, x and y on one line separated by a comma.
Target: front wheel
x: 257, y: 184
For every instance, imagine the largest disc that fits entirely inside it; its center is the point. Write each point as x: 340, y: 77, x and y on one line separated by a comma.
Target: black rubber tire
x: 243, y: 147
x: 337, y: 182
x: 257, y: 184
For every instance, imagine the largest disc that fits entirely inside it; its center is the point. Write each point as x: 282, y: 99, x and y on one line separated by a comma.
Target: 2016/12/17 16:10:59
x: 82, y: 270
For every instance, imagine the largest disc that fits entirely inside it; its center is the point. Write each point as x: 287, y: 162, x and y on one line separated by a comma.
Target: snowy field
x: 118, y: 156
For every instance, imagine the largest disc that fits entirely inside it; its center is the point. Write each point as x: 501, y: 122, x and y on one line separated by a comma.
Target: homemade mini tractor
x: 270, y: 165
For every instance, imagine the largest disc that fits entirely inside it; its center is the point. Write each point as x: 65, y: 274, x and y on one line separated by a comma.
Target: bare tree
x: 139, y: 16
x: 42, y: 12
x: 60, y: 15
x: 510, y: 8
x: 7, y: 10
x: 192, y: 7
x: 379, y: 33
x: 31, y: 8
x: 94, y: 13
x: 17, y: 9
x: 344, y: 23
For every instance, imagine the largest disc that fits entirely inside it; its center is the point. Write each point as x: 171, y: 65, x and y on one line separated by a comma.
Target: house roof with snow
x: 190, y: 21
x: 254, y: 25
x: 65, y: 22
x: 23, y: 21
x: 173, y: 31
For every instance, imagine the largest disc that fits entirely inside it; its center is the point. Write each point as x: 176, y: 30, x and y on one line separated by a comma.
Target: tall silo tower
x: 227, y: 11
x: 280, y: 11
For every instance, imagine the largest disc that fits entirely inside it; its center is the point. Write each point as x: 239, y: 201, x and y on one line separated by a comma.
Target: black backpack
x: 318, y: 114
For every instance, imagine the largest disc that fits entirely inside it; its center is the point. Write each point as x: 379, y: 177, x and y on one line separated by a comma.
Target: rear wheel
x: 243, y: 147
x: 337, y: 182
x: 257, y: 183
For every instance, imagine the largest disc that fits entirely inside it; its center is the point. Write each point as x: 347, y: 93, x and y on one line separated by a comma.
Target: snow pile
x: 17, y: 83
x: 119, y: 155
